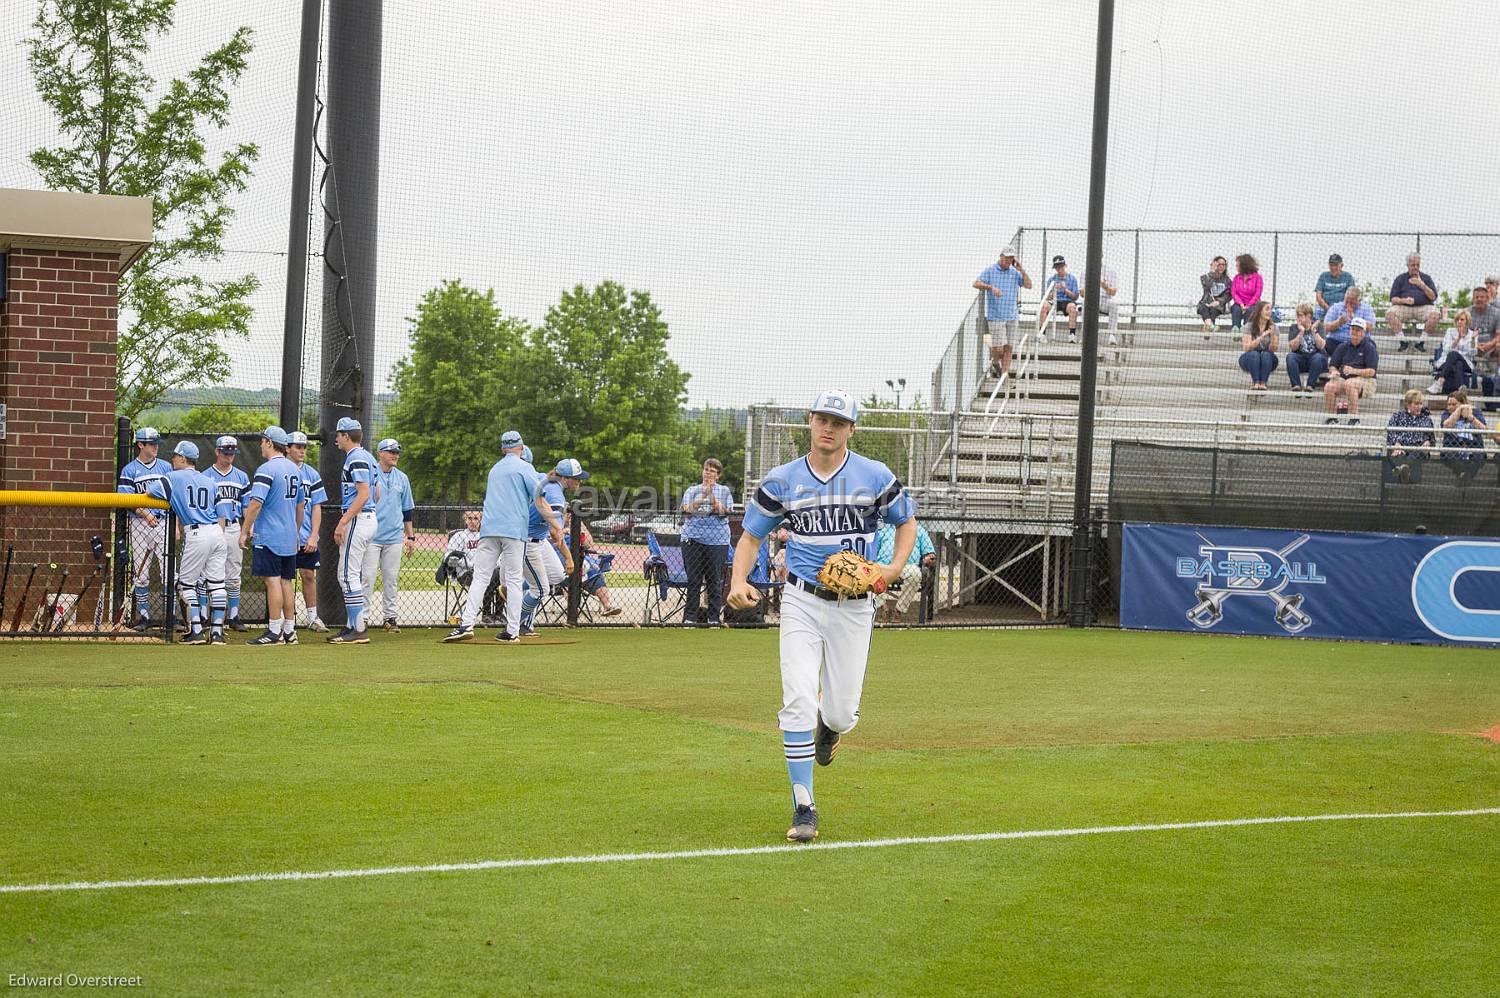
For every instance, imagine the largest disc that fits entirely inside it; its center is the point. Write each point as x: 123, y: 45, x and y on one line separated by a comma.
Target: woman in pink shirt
x: 1245, y: 289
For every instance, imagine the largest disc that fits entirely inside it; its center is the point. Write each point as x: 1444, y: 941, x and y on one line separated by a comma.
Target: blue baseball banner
x: 1366, y: 587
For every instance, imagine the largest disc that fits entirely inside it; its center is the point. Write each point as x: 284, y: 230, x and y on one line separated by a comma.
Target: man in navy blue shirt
x: 1413, y: 299
x: 1351, y: 372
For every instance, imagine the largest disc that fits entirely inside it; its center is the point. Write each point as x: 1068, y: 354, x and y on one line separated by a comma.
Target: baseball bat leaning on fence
x: 82, y: 595
x: 15, y: 621
x: 10, y: 550
x: 48, y: 612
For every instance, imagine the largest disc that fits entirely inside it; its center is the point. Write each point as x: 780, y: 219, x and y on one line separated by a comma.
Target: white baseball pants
x: 509, y: 553
x: 824, y: 647
x: 357, y: 562
x: 544, y: 568
x: 234, y: 559
x: 388, y: 558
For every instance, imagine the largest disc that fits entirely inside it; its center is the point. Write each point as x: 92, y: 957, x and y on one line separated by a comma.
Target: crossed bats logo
x: 1247, y: 571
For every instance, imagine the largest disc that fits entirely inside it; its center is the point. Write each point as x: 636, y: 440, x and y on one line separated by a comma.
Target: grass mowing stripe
x: 510, y: 864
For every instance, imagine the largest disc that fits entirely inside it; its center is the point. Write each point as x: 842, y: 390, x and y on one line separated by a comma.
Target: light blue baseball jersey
x: 137, y: 477
x: 393, y: 507
x: 825, y: 516
x: 512, y: 489
x: 278, y: 487
x: 315, y: 495
x: 552, y: 491
x: 231, y: 486
x: 193, y: 496
x: 359, y: 468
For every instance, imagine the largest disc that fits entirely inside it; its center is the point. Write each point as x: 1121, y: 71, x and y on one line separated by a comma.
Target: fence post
x: 1275, y: 264
x: 169, y: 582
x: 1135, y: 278
x: 575, y: 577
x: 123, y: 453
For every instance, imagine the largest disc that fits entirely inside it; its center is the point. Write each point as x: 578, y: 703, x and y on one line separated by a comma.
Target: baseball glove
x: 847, y: 574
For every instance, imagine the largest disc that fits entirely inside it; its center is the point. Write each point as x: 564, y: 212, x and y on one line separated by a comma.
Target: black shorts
x: 307, y: 560
x: 266, y: 564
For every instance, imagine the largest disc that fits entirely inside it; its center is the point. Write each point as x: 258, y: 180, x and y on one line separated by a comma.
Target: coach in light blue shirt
x: 705, y: 542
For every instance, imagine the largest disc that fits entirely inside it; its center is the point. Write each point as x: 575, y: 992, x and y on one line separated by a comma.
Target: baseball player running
x: 232, y: 483
x: 395, y: 534
x: 272, y: 513
x: 355, y: 530
x: 308, y: 527
x: 146, y: 531
x: 831, y: 500
x: 201, y: 514
x: 547, y: 565
x: 514, y: 488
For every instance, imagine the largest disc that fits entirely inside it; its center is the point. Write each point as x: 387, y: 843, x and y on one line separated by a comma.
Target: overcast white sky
x: 807, y: 190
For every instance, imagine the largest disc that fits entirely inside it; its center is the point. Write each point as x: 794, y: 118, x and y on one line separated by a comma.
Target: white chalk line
x: 639, y: 857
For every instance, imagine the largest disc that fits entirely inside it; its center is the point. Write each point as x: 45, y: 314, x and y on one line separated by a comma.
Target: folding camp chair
x: 666, y: 581
x: 760, y: 578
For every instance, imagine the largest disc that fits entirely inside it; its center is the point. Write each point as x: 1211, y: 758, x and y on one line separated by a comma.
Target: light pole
x: 898, y: 386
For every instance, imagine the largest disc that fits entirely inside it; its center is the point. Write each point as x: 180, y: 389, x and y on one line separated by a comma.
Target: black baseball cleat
x: 804, y: 824
x: 142, y: 623
x: 236, y: 624
x: 198, y: 637
x: 349, y: 636
x: 459, y: 633
x: 825, y: 743
x: 265, y: 640
x: 506, y: 637
x: 216, y: 639
x: 289, y: 637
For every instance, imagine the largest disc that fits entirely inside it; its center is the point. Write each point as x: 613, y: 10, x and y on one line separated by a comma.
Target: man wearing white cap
x: 355, y: 530
x: 147, y: 531
x: 395, y: 534
x: 231, y: 483
x: 1002, y: 283
x: 513, y: 490
x: 831, y: 500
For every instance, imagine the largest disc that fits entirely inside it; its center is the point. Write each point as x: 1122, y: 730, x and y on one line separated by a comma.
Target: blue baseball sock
x: 234, y: 606
x: 529, y: 603
x: 798, y: 746
x: 143, y: 601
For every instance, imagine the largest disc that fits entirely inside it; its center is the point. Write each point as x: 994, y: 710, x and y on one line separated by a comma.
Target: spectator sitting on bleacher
x: 1245, y: 289
x: 923, y: 555
x: 1484, y: 319
x: 1455, y: 363
x: 1062, y: 287
x: 1215, y: 299
x: 1460, y: 426
x: 1351, y: 372
x: 1404, y: 437
x: 1332, y: 284
x: 1259, y: 344
x: 1306, y: 352
x: 1109, y: 286
x: 1337, y: 319
x: 1413, y: 299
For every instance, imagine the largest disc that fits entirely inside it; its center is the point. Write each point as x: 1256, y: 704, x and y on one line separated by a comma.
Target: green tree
x: 595, y: 382
x: 218, y: 418
x: 448, y: 411
x: 716, y: 433
x: 120, y: 136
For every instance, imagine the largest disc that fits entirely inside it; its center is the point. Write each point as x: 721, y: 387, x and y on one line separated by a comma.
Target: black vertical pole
x: 350, y: 196
x: 124, y: 437
x: 169, y: 581
x: 1080, y: 584
x: 575, y: 578
x: 296, y: 255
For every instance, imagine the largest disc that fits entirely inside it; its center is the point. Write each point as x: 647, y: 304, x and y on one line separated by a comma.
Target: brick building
x: 63, y: 256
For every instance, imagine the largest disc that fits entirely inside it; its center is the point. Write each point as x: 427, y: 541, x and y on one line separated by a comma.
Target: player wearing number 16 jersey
x: 194, y: 499
x: 273, y: 508
x: 830, y: 500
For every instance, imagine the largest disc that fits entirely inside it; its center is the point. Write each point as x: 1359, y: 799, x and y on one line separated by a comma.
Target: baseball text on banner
x: 1370, y: 587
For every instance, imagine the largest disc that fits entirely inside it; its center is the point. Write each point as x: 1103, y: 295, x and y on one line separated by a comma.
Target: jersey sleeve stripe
x: 767, y: 503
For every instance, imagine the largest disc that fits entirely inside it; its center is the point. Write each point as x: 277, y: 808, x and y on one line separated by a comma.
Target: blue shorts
x: 267, y: 564
x: 307, y: 559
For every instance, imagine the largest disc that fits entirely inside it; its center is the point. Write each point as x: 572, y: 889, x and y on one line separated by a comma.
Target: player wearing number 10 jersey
x: 195, y: 501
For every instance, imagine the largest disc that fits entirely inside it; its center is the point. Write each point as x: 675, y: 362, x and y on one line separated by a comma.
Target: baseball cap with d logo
x: 837, y: 402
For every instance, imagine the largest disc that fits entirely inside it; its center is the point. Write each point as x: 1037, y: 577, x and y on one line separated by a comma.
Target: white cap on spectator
x: 1009, y: 251
x: 1359, y: 322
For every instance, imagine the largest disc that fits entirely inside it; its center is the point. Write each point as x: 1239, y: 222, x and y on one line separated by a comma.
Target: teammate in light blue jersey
x: 309, y: 528
x: 200, y: 513
x: 272, y: 512
x: 830, y: 500
x: 395, y: 533
x: 355, y: 531
x: 147, y: 532
x: 232, y: 484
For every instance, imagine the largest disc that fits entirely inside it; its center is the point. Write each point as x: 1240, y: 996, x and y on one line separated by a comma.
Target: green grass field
x: 143, y: 762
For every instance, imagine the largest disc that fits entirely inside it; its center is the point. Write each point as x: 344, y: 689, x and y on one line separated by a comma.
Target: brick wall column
x: 57, y: 380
